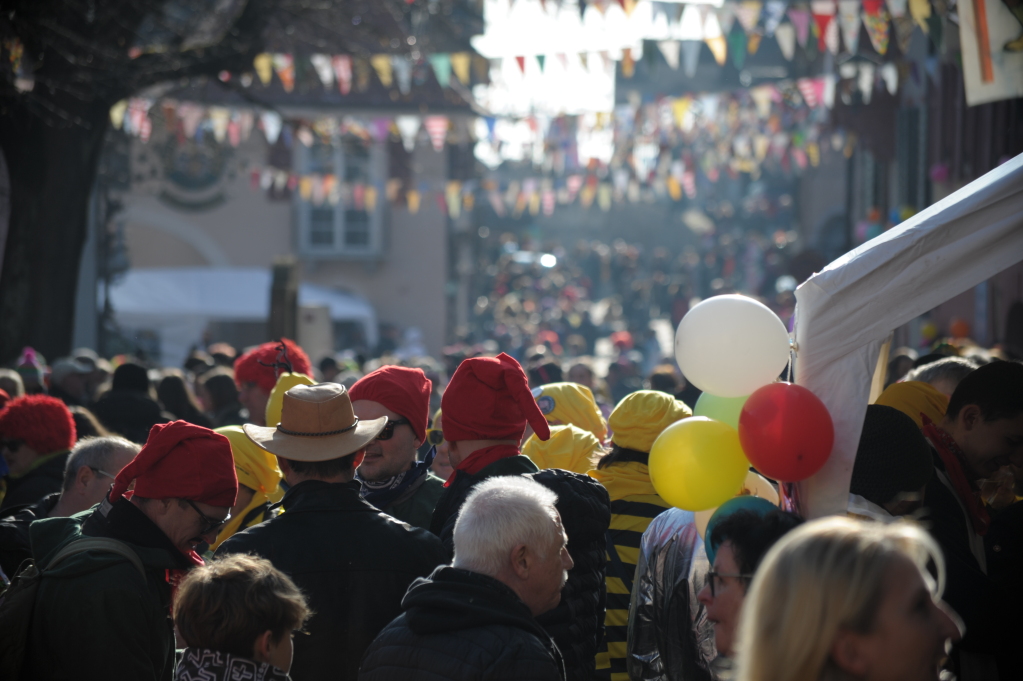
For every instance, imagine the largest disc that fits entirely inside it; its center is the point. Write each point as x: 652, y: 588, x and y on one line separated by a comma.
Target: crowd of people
x: 249, y: 516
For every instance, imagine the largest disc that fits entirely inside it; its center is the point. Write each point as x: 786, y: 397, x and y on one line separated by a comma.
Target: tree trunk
x: 52, y: 169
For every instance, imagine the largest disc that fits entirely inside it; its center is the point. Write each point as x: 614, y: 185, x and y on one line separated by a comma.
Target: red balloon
x: 786, y: 432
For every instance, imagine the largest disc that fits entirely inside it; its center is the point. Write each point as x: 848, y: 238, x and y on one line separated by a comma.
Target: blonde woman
x: 842, y: 599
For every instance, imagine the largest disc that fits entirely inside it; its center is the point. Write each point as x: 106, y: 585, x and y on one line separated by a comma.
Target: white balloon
x: 731, y: 345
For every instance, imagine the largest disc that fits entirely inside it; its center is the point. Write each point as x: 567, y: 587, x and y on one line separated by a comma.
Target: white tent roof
x: 178, y: 303
x: 845, y: 313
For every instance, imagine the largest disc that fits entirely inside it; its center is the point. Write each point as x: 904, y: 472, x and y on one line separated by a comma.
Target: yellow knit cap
x: 569, y: 448
x: 275, y: 405
x: 571, y: 403
x: 641, y: 416
x: 913, y: 398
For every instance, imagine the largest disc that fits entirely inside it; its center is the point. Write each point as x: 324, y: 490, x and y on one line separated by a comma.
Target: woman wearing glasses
x: 738, y: 544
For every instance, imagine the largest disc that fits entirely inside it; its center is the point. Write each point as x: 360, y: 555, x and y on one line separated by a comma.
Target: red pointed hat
x: 182, y: 461
x: 403, y: 390
x: 488, y: 398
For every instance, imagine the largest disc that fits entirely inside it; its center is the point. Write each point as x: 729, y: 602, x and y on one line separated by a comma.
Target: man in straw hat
x: 104, y: 613
x: 353, y: 562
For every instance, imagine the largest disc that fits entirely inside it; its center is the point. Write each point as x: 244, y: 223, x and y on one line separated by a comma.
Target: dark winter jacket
x: 46, y: 478
x: 14, y: 522
x: 353, y: 563
x: 577, y: 624
x: 95, y: 616
x: 462, y: 626
x: 129, y: 413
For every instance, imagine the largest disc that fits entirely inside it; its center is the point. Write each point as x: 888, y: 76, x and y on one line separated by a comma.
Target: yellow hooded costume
x: 636, y: 422
x: 570, y: 448
x: 914, y: 398
x: 571, y: 403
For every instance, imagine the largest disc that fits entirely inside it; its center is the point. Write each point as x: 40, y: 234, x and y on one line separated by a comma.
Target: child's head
x: 241, y: 605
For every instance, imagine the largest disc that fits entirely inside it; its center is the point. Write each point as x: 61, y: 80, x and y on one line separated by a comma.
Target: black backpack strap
x: 616, y: 562
x: 104, y: 544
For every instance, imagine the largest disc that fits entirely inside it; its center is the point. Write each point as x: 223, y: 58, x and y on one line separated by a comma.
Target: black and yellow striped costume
x: 634, y: 504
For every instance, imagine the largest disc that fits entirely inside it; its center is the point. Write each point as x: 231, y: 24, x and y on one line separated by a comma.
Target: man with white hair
x: 475, y: 620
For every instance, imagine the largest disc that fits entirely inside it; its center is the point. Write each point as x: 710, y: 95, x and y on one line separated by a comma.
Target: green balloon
x: 724, y: 409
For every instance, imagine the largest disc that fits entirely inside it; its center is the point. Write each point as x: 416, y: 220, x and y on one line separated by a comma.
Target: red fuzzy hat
x: 182, y: 461
x: 248, y: 368
x: 43, y: 422
x: 488, y: 398
x: 4, y: 398
x: 403, y: 390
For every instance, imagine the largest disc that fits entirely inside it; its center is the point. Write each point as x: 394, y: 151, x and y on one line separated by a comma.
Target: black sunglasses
x: 209, y: 524
x: 388, y: 432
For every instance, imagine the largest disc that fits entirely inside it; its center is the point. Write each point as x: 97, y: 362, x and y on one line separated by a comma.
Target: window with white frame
x: 338, y: 205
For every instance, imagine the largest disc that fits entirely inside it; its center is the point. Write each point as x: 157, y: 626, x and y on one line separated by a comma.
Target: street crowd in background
x: 490, y: 514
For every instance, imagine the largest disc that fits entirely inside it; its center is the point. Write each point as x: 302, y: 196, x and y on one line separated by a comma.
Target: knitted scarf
x: 952, y: 457
x: 383, y: 492
x: 202, y: 664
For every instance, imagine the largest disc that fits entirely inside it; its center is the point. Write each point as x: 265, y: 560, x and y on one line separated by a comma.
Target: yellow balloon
x: 697, y: 463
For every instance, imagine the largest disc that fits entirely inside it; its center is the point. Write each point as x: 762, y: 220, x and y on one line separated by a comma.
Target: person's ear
x: 283, y: 465
x: 847, y: 653
x: 84, y: 476
x: 970, y: 415
x: 417, y: 443
x: 520, y: 561
x: 357, y: 458
x: 261, y: 648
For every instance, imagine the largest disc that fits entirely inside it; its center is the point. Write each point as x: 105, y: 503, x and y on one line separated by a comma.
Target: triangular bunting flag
x: 747, y: 13
x: 903, y: 32
x: 219, y: 118
x: 785, y: 34
x: 264, y: 65
x: 342, y: 64
x: 726, y: 18
x: 831, y: 40
x: 584, y: 60
x: 271, y: 122
x: 460, y: 63
x: 670, y: 51
x: 875, y: 20
x: 322, y: 65
x: 774, y: 12
x: 762, y: 98
x: 823, y: 14
x: 284, y: 65
x: 890, y: 76
x: 402, y: 69
x: 737, y: 48
x: 541, y: 60
x: 691, y: 24
x: 691, y: 56
x: 521, y: 61
x: 441, y: 64
x: 898, y: 7
x: 408, y: 128
x: 382, y: 65
x: 437, y: 129
x: 719, y: 48
x: 800, y: 19
x: 849, y: 22
x: 809, y: 91
x: 920, y: 11
x: 753, y: 44
x: 381, y: 129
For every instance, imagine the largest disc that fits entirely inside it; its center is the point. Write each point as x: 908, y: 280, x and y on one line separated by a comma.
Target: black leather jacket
x: 352, y: 562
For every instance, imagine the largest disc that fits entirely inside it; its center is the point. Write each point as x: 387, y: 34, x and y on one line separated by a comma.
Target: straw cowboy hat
x: 317, y: 424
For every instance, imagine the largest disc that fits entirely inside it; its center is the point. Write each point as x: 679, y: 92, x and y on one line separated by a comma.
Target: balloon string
x: 792, y: 360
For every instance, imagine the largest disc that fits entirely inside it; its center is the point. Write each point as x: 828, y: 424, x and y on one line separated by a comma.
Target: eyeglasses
x: 713, y: 576
x: 104, y: 473
x: 434, y: 436
x: 210, y: 525
x: 388, y: 432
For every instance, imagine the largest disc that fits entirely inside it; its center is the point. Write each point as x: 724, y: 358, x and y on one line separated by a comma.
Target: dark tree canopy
x: 80, y: 57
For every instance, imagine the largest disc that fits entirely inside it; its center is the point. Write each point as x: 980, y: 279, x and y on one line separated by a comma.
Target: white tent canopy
x: 178, y: 303
x: 845, y: 313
